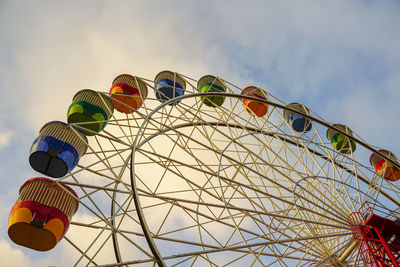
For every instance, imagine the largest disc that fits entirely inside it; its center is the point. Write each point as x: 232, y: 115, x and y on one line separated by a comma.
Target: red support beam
x: 376, y: 238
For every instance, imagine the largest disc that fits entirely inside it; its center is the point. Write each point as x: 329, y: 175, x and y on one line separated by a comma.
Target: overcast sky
x: 341, y: 58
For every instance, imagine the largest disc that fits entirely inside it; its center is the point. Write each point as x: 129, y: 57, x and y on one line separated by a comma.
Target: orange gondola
x: 129, y: 93
x: 383, y: 167
x: 254, y: 106
x: 40, y: 217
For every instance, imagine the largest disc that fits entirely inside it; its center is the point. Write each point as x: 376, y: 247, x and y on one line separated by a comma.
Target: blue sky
x: 340, y: 58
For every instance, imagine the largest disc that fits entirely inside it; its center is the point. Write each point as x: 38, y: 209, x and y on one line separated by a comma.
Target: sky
x: 340, y: 58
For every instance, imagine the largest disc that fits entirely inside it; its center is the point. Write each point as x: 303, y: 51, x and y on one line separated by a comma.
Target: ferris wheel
x: 205, y: 173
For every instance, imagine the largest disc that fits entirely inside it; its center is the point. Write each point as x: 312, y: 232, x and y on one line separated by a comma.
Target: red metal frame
x: 377, y: 237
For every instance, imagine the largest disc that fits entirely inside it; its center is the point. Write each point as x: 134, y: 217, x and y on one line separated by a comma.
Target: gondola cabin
x: 41, y: 215
x: 339, y: 141
x: 57, y: 149
x: 169, y: 85
x: 253, y: 106
x: 383, y: 167
x: 128, y: 93
x: 90, y: 110
x: 211, y: 83
x: 296, y: 121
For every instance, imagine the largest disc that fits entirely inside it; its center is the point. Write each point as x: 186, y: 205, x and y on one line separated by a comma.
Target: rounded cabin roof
x: 331, y: 132
x: 49, y: 181
x: 82, y: 91
x: 93, y: 97
x: 173, y: 76
x: 64, y: 124
x: 375, y: 158
x: 296, y: 106
x: 211, y: 80
x: 254, y: 90
x: 132, y: 81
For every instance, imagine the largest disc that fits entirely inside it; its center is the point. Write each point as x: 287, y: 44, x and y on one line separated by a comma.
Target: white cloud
x: 339, y: 58
x: 15, y: 256
x: 11, y: 256
x: 5, y: 138
x: 87, y: 47
x: 300, y: 50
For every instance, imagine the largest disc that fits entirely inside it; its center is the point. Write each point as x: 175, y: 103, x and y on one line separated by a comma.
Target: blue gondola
x: 58, y: 149
x: 298, y: 122
x: 169, y: 85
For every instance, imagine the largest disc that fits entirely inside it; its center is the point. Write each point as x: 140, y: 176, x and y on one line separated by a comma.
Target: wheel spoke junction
x: 191, y: 181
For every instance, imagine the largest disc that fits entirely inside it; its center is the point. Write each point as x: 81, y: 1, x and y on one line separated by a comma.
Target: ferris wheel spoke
x: 244, y: 210
x: 188, y: 181
x: 340, y: 174
x: 89, y: 247
x: 224, y: 221
x: 216, y: 178
x: 124, y: 234
x: 200, y: 170
x: 259, y: 244
x: 106, y: 162
x: 80, y: 251
x: 92, y: 166
x: 97, y: 188
x: 112, y: 228
x: 229, y: 181
x: 120, y: 127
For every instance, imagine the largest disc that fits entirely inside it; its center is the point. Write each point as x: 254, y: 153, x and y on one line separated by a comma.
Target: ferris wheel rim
x: 135, y: 145
x: 192, y: 124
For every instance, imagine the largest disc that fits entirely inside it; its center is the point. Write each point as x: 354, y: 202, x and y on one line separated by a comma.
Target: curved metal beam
x: 139, y: 210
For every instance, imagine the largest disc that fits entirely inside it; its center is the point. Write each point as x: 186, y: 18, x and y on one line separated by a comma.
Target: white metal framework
x: 194, y: 185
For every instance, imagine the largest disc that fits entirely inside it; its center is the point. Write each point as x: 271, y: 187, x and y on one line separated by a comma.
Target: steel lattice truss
x: 193, y: 185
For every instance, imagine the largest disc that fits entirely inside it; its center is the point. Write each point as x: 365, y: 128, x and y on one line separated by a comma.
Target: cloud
x: 295, y: 50
x: 67, y: 49
x: 339, y: 58
x: 5, y: 138
x: 11, y: 256
x: 14, y: 256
